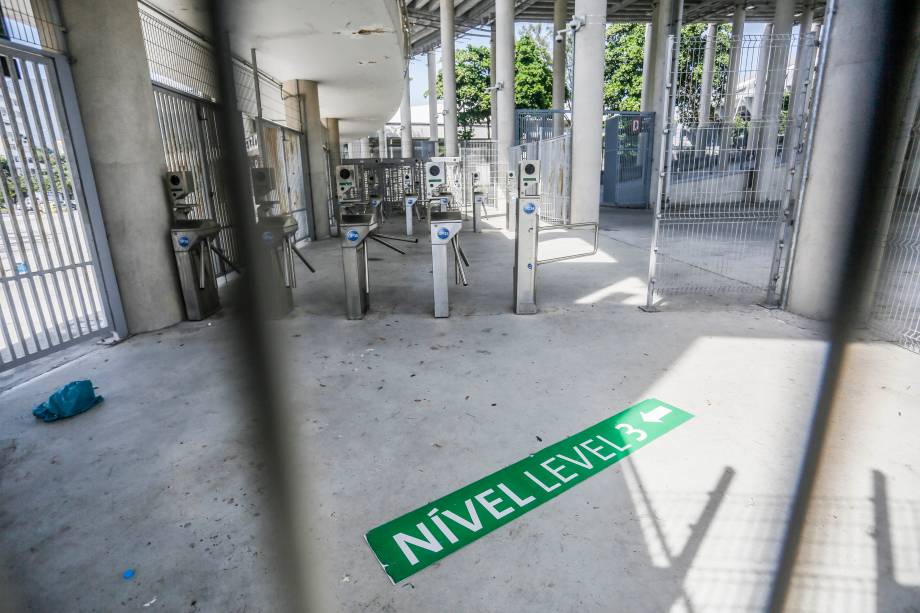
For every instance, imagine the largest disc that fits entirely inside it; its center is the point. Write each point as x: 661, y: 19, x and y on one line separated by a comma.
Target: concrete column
x: 559, y: 19
x: 588, y: 110
x: 705, y: 106
x: 734, y: 64
x: 449, y: 75
x: 312, y: 123
x: 335, y: 144
x: 405, y: 116
x: 648, y: 67
x: 773, y: 96
x: 763, y: 67
x: 112, y: 82
x: 382, y: 149
x: 433, y: 99
x: 504, y: 71
x: 667, y: 21
x: 853, y: 81
x: 493, y: 93
x: 709, y: 58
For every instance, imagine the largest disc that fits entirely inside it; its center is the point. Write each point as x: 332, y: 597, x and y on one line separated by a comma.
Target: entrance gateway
x: 421, y: 537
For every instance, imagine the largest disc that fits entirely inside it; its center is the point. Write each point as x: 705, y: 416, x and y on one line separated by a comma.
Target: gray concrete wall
x: 113, y: 88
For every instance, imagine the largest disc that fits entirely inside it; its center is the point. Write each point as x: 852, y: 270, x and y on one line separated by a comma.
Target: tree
x: 533, y: 82
x: 623, y: 57
x: 690, y: 70
x: 473, y: 100
x: 533, y: 74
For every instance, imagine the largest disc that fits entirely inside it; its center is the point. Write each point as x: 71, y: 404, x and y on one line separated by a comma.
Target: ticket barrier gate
x: 356, y: 230
x: 445, y: 232
x: 191, y: 240
x: 410, y: 202
x: 276, y: 234
x: 527, y: 238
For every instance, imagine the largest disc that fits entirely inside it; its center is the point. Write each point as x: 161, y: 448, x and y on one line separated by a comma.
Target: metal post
x: 664, y: 166
x: 793, y: 138
x: 648, y: 66
x: 493, y: 92
x: 449, y: 74
x: 526, y: 240
x: 258, y: 93
x: 706, y: 89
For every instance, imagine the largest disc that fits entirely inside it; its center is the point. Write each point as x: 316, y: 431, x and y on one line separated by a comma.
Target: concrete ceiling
x: 354, y: 49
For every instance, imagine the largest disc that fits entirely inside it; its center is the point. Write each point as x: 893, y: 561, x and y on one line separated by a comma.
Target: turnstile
x: 527, y: 237
x: 409, y: 203
x: 445, y: 233
x: 356, y: 230
x: 191, y: 240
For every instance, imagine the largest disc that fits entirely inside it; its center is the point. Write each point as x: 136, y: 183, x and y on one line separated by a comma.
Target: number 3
x: 626, y: 429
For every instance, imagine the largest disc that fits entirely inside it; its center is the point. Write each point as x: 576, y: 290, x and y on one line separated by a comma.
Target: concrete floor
x: 398, y: 409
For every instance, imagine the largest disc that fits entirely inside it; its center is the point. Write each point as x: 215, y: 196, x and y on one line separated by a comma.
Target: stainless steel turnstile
x: 356, y: 230
x: 409, y: 203
x: 527, y: 237
x: 445, y: 233
x: 191, y: 239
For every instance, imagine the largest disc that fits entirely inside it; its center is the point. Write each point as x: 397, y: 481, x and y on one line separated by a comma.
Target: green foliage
x: 690, y: 70
x: 623, y: 56
x: 473, y: 100
x: 533, y: 81
x: 533, y: 78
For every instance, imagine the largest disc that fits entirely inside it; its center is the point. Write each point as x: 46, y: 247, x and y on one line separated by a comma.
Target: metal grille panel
x: 896, y: 314
x: 178, y: 59
x: 482, y: 156
x: 33, y: 22
x: 725, y: 204
x: 49, y: 291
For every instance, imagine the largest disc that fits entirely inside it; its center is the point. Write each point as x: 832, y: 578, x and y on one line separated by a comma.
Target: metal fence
x: 896, y: 311
x: 540, y: 124
x: 481, y: 156
x: 724, y: 208
x: 35, y: 23
x: 50, y: 288
x: 555, y: 156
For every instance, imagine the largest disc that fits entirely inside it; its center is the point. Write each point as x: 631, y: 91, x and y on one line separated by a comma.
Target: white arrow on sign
x: 655, y: 414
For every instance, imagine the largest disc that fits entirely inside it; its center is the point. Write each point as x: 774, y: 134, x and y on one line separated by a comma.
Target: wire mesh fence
x: 729, y: 159
x: 178, y: 58
x: 555, y: 156
x: 480, y: 157
x: 896, y: 311
x: 34, y: 23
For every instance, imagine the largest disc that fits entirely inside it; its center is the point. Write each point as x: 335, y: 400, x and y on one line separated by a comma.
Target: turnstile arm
x: 386, y: 244
x: 303, y: 259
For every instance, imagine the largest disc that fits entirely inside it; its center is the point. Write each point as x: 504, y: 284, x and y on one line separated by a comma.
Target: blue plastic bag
x: 72, y: 399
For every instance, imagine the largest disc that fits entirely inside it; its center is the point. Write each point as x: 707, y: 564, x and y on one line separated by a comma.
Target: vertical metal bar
x: 664, y: 170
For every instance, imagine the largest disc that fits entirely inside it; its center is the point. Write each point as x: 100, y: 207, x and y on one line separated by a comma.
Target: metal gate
x: 283, y: 151
x: 51, y: 290
x: 628, y: 159
x: 188, y: 128
x: 730, y: 177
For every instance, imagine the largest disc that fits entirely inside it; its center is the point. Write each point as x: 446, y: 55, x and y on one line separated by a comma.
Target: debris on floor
x: 69, y: 400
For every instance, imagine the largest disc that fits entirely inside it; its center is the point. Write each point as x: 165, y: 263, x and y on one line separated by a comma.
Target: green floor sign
x: 409, y: 543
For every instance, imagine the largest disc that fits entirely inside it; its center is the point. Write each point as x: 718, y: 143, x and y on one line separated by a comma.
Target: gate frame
x: 71, y: 123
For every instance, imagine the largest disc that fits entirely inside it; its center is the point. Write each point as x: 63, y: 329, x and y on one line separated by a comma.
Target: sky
x: 418, y: 67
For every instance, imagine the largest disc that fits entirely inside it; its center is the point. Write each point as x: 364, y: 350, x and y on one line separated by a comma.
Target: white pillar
x: 734, y: 64
x: 763, y: 66
x: 405, y: 115
x: 648, y: 67
x: 493, y: 93
x: 449, y: 74
x: 588, y: 110
x: 853, y: 80
x: 705, y: 107
x: 666, y: 21
x: 559, y: 18
x: 773, y: 98
x: 433, y: 99
x: 382, y: 151
x: 504, y: 69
